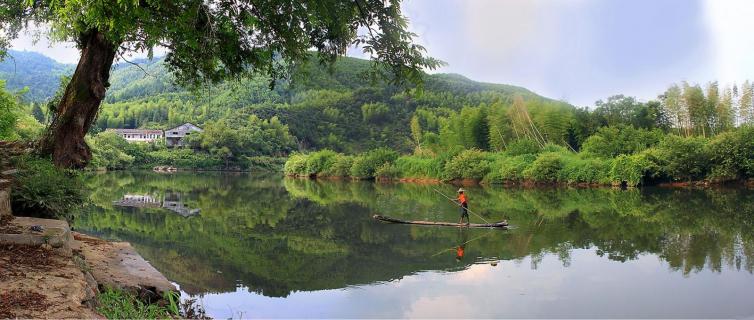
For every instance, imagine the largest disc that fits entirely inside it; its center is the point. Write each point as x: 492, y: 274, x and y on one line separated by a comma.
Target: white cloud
x: 731, y: 23
x: 34, y: 40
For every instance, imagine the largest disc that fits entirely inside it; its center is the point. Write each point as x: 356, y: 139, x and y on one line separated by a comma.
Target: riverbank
x: 748, y: 183
x: 669, y: 160
x: 49, y: 271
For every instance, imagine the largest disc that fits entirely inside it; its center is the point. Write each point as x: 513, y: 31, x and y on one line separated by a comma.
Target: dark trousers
x: 465, y: 211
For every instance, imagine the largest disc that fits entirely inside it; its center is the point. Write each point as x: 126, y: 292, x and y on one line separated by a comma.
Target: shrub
x: 296, y: 165
x: 43, y: 190
x: 629, y: 169
x: 469, y: 164
x: 514, y: 167
x: 264, y: 163
x: 418, y: 167
x: 610, y: 142
x: 8, y: 116
x: 684, y: 158
x: 579, y: 170
x: 365, y: 165
x: 320, y: 161
x: 551, y: 147
x: 732, y: 154
x: 386, y: 171
x: 184, y: 158
x: 108, y: 151
x: 341, y: 166
x: 522, y: 146
x: 546, y: 168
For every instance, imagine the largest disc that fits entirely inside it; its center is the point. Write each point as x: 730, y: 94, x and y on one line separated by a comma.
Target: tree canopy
x: 214, y: 40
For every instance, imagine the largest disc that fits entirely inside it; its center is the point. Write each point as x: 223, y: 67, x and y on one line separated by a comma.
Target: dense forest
x: 450, y: 128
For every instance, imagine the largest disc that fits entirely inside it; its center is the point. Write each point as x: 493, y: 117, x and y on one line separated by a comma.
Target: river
x: 264, y: 246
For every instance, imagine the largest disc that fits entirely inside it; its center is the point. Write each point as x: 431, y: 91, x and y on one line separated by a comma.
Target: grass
x: 119, y: 304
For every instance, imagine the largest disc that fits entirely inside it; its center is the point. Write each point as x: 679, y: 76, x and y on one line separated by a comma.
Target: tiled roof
x: 148, y: 131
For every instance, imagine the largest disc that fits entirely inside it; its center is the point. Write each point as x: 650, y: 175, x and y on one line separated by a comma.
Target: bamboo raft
x: 502, y: 224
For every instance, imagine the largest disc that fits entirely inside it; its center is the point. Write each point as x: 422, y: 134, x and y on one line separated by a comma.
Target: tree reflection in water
x: 276, y: 235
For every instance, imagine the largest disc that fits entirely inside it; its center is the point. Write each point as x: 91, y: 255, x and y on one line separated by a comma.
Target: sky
x: 575, y: 50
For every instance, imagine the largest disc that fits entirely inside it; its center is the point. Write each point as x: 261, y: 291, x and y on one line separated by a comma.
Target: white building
x: 174, y: 137
x: 139, y: 135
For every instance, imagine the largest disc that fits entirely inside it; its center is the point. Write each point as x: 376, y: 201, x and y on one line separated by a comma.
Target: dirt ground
x: 37, y: 283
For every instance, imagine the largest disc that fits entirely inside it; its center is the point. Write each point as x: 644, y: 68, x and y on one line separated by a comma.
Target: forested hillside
x: 338, y: 109
x: 33, y: 70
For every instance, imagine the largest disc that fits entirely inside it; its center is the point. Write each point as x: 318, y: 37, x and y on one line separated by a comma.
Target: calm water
x: 265, y: 246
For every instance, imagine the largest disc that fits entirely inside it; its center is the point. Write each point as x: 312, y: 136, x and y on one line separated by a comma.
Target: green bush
x: 43, y: 190
x: 512, y: 168
x: 341, y: 166
x: 8, y: 116
x: 108, y: 151
x: 320, y: 161
x: 610, y: 142
x: 365, y: 165
x: 386, y: 171
x: 732, y: 154
x: 684, y: 158
x: 551, y: 147
x: 522, y: 146
x: 296, y: 165
x: 469, y: 164
x: 183, y: 158
x: 265, y: 163
x: 634, y: 169
x: 546, y: 168
x: 577, y: 169
x: 418, y: 167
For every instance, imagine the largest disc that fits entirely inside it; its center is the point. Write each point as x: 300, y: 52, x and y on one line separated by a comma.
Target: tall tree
x: 746, y: 103
x: 696, y: 106
x: 714, y: 119
x: 673, y: 104
x: 725, y: 113
x: 207, y: 41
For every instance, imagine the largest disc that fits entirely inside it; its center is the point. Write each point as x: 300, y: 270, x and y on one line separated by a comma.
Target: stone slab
x: 118, y: 265
x: 56, y: 233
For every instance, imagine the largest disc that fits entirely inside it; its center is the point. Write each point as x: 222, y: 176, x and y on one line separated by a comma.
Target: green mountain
x: 36, y: 71
x: 333, y: 107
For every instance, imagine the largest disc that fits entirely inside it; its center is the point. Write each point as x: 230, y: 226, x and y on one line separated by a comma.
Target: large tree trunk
x: 78, y: 108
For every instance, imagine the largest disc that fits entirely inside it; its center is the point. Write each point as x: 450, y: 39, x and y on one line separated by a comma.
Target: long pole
x: 467, y: 209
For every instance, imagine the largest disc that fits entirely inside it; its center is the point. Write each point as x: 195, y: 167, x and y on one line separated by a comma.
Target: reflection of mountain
x: 171, y: 201
x: 277, y: 237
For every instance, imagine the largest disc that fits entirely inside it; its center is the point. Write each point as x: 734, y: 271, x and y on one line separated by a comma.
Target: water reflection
x: 303, y: 239
x: 170, y: 201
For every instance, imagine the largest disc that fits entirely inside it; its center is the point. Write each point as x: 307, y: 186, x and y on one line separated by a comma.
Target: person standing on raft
x: 464, y: 206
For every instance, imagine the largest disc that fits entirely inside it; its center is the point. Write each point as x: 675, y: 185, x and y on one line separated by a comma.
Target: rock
x: 118, y: 265
x: 4, y: 198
